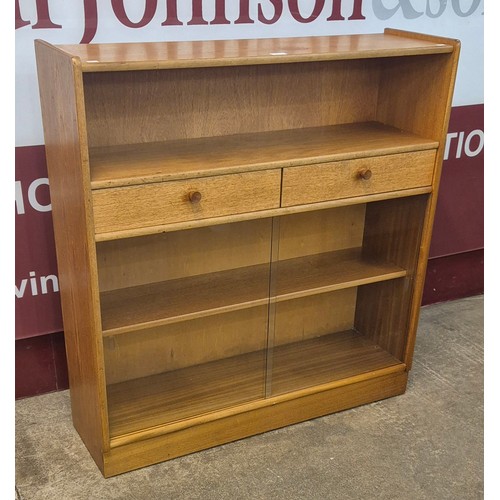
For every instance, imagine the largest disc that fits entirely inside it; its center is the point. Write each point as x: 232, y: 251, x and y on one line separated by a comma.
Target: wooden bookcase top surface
x: 192, y: 54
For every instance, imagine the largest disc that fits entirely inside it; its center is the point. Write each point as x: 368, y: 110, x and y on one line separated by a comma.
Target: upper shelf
x: 155, y: 162
x: 194, y: 54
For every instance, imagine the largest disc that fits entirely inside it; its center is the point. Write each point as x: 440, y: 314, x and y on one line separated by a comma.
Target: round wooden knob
x: 365, y: 174
x: 194, y: 196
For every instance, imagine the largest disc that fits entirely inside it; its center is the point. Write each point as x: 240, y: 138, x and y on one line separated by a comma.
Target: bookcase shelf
x: 242, y: 229
x: 130, y: 164
x: 155, y: 304
x: 173, y: 396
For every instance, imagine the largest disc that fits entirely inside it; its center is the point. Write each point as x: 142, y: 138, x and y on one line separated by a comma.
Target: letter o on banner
x: 149, y: 12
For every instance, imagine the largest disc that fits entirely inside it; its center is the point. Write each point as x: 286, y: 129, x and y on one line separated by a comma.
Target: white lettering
x: 479, y: 148
x: 37, y: 285
x: 34, y: 288
x: 21, y: 289
x: 465, y: 144
x: 32, y: 195
x: 460, y: 145
x: 33, y: 199
x: 449, y: 138
x: 19, y: 199
x: 53, y: 279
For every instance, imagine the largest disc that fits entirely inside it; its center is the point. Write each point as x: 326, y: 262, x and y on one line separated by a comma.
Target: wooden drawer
x: 156, y: 204
x: 344, y: 179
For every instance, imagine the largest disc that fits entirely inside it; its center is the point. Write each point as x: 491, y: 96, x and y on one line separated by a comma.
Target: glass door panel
x: 340, y: 291
x: 185, y: 322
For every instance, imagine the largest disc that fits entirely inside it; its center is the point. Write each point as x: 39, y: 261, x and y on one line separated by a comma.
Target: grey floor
x: 426, y: 444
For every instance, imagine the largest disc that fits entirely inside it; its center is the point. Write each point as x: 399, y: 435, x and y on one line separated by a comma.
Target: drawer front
x: 350, y: 178
x: 135, y: 207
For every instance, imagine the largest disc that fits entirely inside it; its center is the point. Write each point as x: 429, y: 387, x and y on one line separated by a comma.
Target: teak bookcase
x: 242, y: 229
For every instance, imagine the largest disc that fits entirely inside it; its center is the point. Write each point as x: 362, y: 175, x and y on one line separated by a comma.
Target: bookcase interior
x: 226, y: 314
x: 249, y: 115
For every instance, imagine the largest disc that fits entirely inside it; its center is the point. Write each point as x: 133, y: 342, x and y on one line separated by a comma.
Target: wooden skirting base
x: 234, y: 425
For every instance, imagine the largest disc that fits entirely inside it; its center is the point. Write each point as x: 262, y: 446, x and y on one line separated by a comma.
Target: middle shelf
x: 171, y: 301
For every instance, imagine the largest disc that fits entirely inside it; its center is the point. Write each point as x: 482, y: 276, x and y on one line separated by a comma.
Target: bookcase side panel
x: 67, y: 162
x: 392, y: 233
x: 416, y: 96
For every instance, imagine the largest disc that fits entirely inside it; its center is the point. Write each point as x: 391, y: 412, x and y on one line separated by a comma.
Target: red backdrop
x: 459, y: 223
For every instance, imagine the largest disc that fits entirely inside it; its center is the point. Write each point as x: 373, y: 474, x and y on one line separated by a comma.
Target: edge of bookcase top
x: 211, y: 53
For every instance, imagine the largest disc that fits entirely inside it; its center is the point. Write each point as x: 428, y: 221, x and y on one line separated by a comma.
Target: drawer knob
x: 194, y: 196
x: 365, y: 174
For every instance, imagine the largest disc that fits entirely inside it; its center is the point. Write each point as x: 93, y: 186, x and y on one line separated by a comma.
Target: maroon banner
x: 38, y: 309
x: 459, y: 222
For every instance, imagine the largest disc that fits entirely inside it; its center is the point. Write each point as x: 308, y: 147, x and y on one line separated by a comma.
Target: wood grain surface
x: 135, y: 405
x: 61, y: 95
x: 130, y: 309
x: 131, y: 207
x: 154, y: 106
x: 128, y: 164
x: 328, y: 181
x: 333, y: 145
x: 155, y: 55
x: 168, y: 441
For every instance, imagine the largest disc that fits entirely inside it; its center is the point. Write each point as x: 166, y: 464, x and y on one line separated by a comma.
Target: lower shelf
x: 170, y: 397
x: 157, y: 445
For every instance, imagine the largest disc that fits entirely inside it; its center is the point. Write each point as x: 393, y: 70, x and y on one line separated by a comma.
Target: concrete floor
x: 426, y: 444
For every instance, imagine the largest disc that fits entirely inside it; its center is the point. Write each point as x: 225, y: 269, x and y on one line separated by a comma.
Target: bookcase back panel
x: 188, y: 343
x: 148, y: 259
x: 148, y: 106
x: 310, y: 317
x: 321, y: 231
x: 382, y: 314
x: 172, y: 347
x: 137, y: 261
